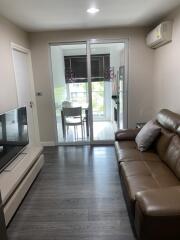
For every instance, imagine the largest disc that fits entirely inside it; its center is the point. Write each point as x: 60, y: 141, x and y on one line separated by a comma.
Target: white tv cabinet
x: 17, y: 178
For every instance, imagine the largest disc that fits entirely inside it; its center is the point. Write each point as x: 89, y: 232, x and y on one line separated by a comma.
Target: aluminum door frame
x: 125, y: 88
x: 125, y: 94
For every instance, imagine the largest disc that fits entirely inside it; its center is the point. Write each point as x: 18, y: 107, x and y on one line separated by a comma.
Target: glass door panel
x: 93, y: 77
x: 70, y: 85
x: 107, y: 84
x: 98, y: 100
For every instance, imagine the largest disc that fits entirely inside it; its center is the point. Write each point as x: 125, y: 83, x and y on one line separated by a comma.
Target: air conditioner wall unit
x: 161, y: 35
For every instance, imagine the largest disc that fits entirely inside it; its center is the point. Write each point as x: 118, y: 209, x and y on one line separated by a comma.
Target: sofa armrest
x: 126, y: 134
x: 157, y: 214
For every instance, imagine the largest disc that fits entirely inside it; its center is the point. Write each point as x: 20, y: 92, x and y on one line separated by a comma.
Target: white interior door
x: 23, y: 84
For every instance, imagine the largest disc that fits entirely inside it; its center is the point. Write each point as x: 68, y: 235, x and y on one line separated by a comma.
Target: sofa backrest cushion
x: 162, y: 142
x: 172, y: 156
x: 178, y: 130
x: 169, y: 120
x: 168, y: 142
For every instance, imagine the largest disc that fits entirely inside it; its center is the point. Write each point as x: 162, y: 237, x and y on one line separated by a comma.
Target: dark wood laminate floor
x: 77, y: 196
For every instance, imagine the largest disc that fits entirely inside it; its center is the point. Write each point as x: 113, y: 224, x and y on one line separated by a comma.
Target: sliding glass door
x: 70, y: 86
x: 91, y: 76
x: 108, y: 63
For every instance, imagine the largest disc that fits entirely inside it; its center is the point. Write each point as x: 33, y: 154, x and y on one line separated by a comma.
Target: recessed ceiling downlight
x: 93, y: 10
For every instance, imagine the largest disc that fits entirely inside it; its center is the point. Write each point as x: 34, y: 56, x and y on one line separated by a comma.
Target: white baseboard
x: 48, y: 144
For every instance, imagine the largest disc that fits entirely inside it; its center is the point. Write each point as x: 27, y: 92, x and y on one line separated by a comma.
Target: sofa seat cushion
x: 127, y: 151
x: 157, y: 214
x: 144, y: 175
x: 161, y: 202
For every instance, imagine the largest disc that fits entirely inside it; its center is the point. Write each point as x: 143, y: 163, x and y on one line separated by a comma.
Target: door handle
x: 31, y: 104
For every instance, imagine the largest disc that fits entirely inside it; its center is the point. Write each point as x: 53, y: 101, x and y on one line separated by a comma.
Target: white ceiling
x: 39, y: 15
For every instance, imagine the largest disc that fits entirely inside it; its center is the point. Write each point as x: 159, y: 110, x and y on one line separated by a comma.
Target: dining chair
x: 73, y: 117
x: 66, y: 104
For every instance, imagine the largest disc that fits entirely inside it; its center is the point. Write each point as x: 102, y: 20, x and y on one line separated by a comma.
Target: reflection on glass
x: 69, y: 68
x: 70, y: 82
x: 107, y: 89
x: 78, y: 93
x: 98, y: 99
x: 13, y: 134
x: 13, y: 128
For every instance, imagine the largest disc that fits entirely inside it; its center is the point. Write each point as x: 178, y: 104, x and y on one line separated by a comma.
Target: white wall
x: 166, y: 80
x: 140, y: 72
x: 9, y: 33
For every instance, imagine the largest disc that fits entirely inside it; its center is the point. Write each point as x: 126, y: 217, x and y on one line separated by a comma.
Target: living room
x: 63, y: 182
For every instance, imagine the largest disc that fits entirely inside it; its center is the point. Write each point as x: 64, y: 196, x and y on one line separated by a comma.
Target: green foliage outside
x: 98, y: 98
x: 79, y: 93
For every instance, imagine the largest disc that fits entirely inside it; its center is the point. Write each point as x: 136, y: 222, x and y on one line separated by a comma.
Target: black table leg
x: 63, y: 125
x: 87, y: 121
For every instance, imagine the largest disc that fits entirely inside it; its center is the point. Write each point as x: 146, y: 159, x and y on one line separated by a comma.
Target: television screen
x: 13, y: 135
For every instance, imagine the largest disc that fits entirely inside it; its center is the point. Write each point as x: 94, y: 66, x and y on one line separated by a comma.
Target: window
x: 78, y: 92
x: 76, y: 80
x: 76, y: 68
x: 98, y: 99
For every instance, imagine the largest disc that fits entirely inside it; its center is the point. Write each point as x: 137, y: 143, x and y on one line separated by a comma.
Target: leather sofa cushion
x: 127, y: 151
x: 143, y: 175
x: 172, y: 156
x: 178, y: 130
x: 169, y: 120
x: 162, y: 143
x: 126, y: 134
x: 125, y: 145
x: 161, y: 202
x: 157, y: 214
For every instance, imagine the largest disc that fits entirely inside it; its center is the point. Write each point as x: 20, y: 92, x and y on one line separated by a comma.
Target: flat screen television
x: 13, y: 135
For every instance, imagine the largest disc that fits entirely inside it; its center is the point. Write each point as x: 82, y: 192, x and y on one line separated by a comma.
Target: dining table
x: 85, y: 108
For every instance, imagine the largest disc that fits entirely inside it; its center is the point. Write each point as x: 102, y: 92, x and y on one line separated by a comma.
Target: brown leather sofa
x: 3, y: 234
x: 151, y: 179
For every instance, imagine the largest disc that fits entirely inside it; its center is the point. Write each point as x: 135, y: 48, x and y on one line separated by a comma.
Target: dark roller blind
x: 76, y: 68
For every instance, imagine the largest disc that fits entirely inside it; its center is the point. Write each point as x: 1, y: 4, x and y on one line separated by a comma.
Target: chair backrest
x: 66, y: 104
x: 72, y: 112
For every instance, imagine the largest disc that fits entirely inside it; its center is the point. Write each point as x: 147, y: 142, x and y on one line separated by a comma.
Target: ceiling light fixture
x: 93, y: 10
